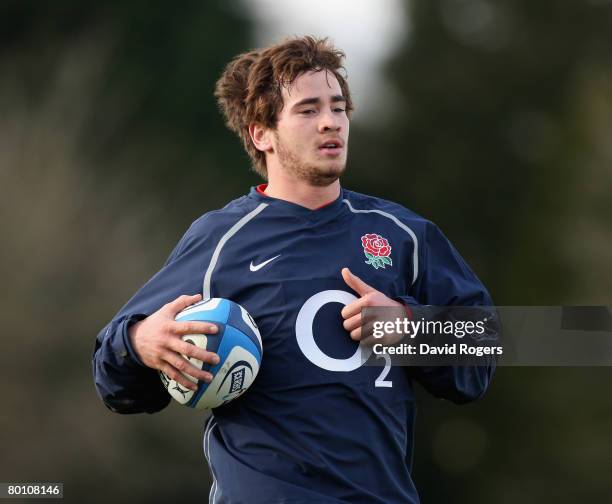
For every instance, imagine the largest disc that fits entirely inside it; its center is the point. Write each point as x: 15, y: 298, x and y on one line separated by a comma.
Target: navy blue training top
x: 316, y: 426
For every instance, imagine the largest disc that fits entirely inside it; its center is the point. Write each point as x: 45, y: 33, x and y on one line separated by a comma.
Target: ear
x: 261, y: 137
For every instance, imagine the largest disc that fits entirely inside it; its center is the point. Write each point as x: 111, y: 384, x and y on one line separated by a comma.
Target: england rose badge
x: 377, y: 250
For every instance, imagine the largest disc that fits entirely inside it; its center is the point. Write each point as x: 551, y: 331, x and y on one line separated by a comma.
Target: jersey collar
x: 325, y: 211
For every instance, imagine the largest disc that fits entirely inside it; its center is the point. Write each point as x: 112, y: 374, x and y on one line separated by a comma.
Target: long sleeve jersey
x: 316, y: 425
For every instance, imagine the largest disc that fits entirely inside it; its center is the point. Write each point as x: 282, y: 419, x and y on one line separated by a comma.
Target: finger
x: 175, y: 375
x: 195, y: 352
x: 361, y: 329
x: 356, y: 283
x: 354, y: 308
x: 352, y: 323
x: 182, y: 302
x: 184, y: 366
x: 193, y: 327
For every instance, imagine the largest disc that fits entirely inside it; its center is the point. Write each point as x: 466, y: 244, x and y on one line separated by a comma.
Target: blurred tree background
x: 499, y: 130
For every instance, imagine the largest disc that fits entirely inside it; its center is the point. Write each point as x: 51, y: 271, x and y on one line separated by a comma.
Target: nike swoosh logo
x: 254, y: 268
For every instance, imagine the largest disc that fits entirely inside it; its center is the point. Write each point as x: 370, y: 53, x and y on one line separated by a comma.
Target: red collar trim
x: 261, y: 189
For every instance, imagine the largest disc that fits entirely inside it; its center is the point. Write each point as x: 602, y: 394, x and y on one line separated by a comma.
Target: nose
x: 329, y: 122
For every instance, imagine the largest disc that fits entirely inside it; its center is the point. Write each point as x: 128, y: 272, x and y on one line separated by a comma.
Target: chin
x: 327, y: 174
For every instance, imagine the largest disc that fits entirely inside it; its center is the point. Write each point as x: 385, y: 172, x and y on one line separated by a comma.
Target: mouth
x: 332, y: 147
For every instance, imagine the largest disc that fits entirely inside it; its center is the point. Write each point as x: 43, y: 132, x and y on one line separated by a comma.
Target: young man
x: 303, y: 256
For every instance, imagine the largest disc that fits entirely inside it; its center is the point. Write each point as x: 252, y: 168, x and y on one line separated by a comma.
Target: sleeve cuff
x: 127, y: 350
x: 409, y: 303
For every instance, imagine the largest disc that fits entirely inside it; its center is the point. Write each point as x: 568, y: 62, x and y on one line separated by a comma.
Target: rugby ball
x: 238, y: 345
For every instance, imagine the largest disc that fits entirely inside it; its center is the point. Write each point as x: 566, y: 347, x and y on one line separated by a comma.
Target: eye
x: 307, y: 112
x: 339, y: 109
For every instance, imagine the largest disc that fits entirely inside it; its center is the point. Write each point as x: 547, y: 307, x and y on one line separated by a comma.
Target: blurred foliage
x: 111, y: 144
x: 500, y: 133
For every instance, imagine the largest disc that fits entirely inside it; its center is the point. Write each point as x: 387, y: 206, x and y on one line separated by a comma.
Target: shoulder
x: 211, y: 226
x: 358, y: 202
x: 219, y: 220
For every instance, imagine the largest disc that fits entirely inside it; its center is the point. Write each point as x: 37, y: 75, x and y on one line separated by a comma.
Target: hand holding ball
x: 238, y: 345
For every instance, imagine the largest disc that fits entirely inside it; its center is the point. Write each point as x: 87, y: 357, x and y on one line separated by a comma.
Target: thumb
x: 356, y: 283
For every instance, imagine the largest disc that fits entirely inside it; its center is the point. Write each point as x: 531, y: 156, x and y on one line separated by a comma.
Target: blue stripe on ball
x: 233, y: 337
x: 230, y: 338
x: 236, y: 320
x: 220, y: 314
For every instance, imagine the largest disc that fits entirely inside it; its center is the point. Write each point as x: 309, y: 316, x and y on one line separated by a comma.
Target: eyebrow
x: 317, y: 101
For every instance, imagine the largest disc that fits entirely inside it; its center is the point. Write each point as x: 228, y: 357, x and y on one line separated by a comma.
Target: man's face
x: 311, y: 137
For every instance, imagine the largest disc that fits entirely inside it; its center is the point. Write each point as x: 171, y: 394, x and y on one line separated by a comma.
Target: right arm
x: 144, y: 338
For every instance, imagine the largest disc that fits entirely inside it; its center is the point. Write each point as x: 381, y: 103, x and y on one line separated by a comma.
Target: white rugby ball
x: 238, y: 345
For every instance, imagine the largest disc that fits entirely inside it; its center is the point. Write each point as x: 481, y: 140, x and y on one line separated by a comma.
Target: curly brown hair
x: 250, y: 88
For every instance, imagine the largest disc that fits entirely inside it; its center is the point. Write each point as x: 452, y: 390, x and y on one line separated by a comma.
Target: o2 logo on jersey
x: 310, y: 349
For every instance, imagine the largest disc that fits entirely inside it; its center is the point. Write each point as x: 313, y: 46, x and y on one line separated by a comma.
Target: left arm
x: 444, y: 280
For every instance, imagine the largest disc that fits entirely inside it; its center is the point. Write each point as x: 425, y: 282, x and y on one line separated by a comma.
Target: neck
x: 301, y: 193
